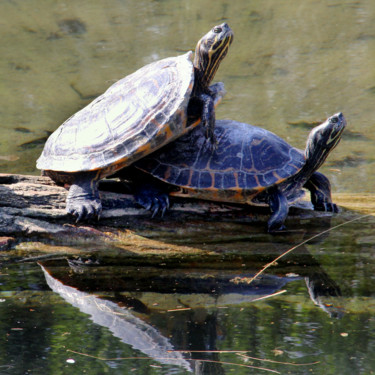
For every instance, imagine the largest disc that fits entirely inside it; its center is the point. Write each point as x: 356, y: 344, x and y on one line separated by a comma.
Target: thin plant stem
x: 304, y: 242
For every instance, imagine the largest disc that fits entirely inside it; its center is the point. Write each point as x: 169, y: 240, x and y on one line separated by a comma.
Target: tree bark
x: 32, y: 208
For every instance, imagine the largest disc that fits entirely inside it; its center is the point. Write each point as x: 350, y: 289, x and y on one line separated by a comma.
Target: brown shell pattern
x: 134, y: 117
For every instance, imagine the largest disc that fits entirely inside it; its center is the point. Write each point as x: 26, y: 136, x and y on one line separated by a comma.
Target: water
x: 290, y: 66
x: 94, y: 313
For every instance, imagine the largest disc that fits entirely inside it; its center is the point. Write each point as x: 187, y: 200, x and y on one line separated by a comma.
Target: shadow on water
x: 201, y: 314
x: 172, y: 315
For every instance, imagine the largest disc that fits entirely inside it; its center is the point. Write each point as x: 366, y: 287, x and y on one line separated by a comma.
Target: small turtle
x: 250, y: 165
x: 135, y: 116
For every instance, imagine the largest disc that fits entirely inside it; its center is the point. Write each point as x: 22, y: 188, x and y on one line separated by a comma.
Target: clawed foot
x: 152, y: 199
x: 211, y: 140
x: 83, y: 200
x: 84, y: 210
x: 327, y: 207
x: 275, y: 228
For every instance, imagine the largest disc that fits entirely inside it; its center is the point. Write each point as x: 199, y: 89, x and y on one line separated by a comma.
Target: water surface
x: 312, y: 312
x: 290, y: 67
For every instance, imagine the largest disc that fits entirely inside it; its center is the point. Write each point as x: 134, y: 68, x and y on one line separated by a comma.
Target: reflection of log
x: 32, y: 206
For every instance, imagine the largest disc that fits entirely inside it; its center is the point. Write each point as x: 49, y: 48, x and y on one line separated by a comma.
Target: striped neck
x: 209, y: 53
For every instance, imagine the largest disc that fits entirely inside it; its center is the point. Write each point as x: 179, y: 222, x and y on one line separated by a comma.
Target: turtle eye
x: 217, y: 29
x: 334, y: 120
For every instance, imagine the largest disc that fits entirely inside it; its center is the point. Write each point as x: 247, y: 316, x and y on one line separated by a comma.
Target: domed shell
x: 247, y: 160
x: 134, y: 117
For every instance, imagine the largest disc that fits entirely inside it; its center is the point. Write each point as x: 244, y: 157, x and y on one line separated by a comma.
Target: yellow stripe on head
x: 210, y: 51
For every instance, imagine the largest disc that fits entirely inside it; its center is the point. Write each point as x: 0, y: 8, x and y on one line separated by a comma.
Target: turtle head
x: 210, y: 51
x: 323, y: 139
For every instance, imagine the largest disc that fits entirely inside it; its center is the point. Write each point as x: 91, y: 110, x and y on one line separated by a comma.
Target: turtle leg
x: 83, y: 199
x: 208, y: 116
x: 148, y: 192
x: 320, y: 191
x: 152, y: 198
x: 279, y: 210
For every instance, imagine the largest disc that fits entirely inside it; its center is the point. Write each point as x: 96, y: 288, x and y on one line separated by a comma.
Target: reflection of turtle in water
x: 250, y: 165
x: 135, y: 116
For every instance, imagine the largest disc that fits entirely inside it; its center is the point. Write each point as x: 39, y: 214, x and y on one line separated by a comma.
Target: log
x: 32, y: 209
x: 35, y: 204
x: 25, y: 200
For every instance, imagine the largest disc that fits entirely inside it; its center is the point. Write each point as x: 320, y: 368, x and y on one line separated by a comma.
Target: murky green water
x: 292, y: 64
x: 311, y: 313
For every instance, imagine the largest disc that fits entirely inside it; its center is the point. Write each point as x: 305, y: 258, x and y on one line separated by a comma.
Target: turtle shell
x: 134, y: 117
x: 246, y: 161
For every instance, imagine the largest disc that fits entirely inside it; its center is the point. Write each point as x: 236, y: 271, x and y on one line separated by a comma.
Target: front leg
x: 320, y: 191
x: 83, y: 201
x: 208, y: 116
x: 149, y: 192
x: 279, y: 209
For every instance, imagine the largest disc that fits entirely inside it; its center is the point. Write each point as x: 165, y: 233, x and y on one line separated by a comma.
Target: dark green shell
x: 246, y: 161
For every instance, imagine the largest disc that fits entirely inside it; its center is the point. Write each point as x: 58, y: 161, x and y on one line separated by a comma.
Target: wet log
x: 32, y: 208
x: 35, y: 205
x: 32, y: 211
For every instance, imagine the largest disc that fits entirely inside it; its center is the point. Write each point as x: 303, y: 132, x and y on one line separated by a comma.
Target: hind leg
x: 279, y: 209
x: 320, y: 191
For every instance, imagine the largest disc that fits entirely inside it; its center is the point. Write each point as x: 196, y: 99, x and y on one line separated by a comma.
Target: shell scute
x: 218, y: 183
x: 229, y: 180
x: 241, y: 178
x: 268, y: 155
x: 183, y: 177
x: 194, y: 180
x: 251, y: 181
x: 205, y: 180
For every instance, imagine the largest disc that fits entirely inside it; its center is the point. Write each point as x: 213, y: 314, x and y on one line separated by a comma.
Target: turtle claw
x: 152, y: 199
x: 160, y: 205
x: 164, y: 206
x: 274, y: 229
x: 327, y: 207
x: 83, y: 200
x: 85, y: 211
x: 211, y: 138
x: 211, y: 143
x: 331, y: 207
x: 146, y: 206
x: 155, y: 207
x: 163, y: 211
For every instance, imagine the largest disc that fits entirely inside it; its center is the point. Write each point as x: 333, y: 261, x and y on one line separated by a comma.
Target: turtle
x: 134, y: 117
x: 250, y: 165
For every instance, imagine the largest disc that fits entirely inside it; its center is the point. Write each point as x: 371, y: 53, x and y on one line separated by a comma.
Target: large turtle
x: 135, y: 116
x: 250, y: 165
